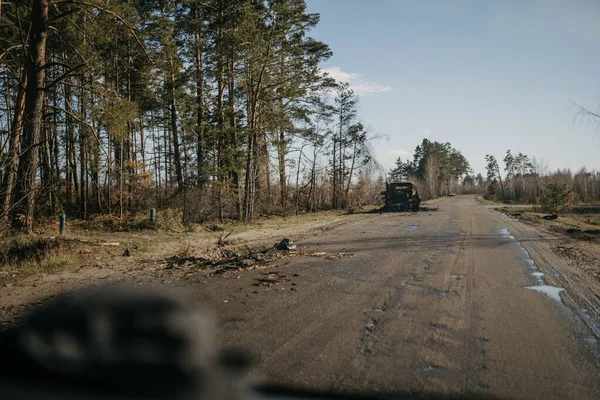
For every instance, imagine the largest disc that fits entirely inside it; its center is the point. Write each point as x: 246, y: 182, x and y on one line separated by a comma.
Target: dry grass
x: 582, y: 226
x: 44, y: 252
x: 482, y: 200
x: 21, y: 256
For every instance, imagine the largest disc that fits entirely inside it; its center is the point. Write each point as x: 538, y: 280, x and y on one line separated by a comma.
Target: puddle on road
x: 457, y: 277
x: 538, y: 277
x: 433, y: 292
x: 504, y: 232
x: 529, y: 262
x: 590, y: 339
x: 412, y: 228
x: 551, y: 291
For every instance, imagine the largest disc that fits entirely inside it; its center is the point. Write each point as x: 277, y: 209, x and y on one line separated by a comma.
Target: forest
x: 217, y: 108
x: 526, y: 180
x: 438, y: 169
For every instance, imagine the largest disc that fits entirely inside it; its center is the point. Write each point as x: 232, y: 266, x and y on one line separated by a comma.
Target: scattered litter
x: 338, y: 256
x: 110, y: 244
x: 318, y: 254
x: 270, y: 279
x: 228, y: 253
x: 286, y: 244
x: 371, y: 325
x: 126, y: 253
x: 246, y: 263
x: 214, y: 228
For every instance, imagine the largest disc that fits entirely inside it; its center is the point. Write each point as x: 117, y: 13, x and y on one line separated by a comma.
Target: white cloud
x: 400, y: 153
x: 356, y: 81
x: 339, y: 75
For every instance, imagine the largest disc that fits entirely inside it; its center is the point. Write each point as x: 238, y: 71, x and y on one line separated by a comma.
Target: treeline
x: 437, y: 168
x: 525, y: 180
x: 215, y: 105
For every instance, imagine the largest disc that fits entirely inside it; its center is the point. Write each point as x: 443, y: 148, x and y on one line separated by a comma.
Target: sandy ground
x: 97, y: 258
x: 459, y: 301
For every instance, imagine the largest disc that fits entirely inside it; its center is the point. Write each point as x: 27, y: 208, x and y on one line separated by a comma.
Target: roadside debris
x: 579, y: 259
x: 425, y: 207
x: 550, y: 217
x: 246, y: 263
x: 285, y: 244
x: 270, y: 279
x: 338, y: 256
x: 324, y: 254
x: 221, y: 259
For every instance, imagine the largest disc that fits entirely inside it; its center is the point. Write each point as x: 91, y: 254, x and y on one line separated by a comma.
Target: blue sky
x: 484, y: 76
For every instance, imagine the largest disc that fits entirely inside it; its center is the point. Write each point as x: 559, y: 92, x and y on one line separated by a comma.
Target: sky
x: 486, y: 76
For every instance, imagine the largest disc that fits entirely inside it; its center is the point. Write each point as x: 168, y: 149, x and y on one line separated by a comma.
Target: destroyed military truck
x: 401, y: 196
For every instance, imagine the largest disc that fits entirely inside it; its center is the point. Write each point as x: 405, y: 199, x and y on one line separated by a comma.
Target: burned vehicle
x: 401, y: 196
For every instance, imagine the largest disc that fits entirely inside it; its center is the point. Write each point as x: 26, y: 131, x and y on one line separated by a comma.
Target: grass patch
x: 276, y: 222
x: 482, y: 200
x: 49, y: 265
x: 22, y: 256
x: 581, y: 226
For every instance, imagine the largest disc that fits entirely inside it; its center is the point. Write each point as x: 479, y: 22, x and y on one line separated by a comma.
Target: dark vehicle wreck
x: 401, y: 196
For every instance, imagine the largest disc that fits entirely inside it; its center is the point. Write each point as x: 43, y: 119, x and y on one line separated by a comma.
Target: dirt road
x: 430, y: 302
x: 463, y: 300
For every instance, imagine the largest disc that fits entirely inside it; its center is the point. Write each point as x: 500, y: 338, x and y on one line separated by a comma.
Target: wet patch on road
x: 584, y: 316
x: 552, y: 292
x: 412, y: 227
x: 433, y: 292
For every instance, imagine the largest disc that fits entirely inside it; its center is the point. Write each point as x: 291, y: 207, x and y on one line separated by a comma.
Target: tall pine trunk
x: 199, y: 109
x: 13, y: 147
x: 174, y: 131
x: 22, y: 215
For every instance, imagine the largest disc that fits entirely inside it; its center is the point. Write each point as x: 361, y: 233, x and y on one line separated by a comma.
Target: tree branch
x: 117, y: 16
x: 11, y: 48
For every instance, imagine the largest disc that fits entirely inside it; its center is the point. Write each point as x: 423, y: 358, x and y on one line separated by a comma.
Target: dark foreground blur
x: 125, y: 342
x: 117, y: 343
